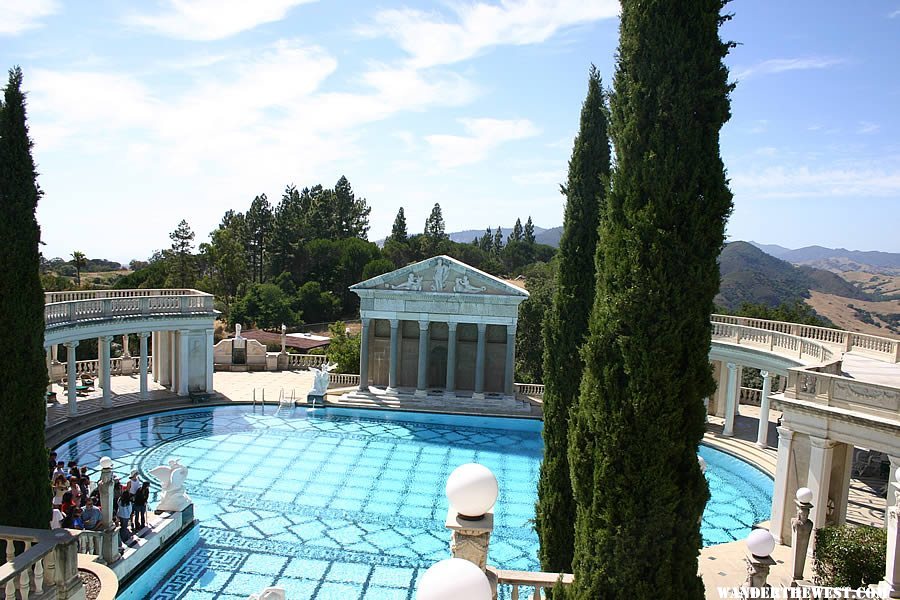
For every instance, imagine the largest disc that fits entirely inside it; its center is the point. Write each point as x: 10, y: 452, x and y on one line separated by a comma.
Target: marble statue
x: 172, y: 477
x: 413, y: 282
x: 320, y: 379
x: 441, y: 271
x: 270, y: 593
x: 463, y: 286
x: 238, y: 340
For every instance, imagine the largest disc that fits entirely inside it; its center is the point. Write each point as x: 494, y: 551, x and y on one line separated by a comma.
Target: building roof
x: 299, y: 341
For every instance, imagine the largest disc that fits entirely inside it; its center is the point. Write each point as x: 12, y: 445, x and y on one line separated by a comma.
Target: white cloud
x: 212, y: 19
x: 430, y: 39
x: 868, y: 127
x: 781, y: 65
x: 896, y: 13
x: 858, y: 180
x: 17, y: 16
x: 484, y: 135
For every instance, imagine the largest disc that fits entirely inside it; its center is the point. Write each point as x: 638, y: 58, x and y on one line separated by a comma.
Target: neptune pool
x: 349, y: 504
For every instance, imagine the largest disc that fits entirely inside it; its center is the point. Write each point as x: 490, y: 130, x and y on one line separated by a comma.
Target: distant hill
x: 751, y: 275
x: 468, y: 235
x: 550, y: 236
x: 837, y: 259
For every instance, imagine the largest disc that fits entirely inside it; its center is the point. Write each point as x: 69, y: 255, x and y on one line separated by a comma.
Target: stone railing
x: 343, y: 379
x: 46, y: 566
x: 534, y: 390
x: 815, y: 387
x: 881, y: 348
x: 771, y: 340
x: 536, y: 580
x: 751, y: 396
x: 117, y: 366
x: 304, y: 361
x: 91, y: 542
x: 123, y: 303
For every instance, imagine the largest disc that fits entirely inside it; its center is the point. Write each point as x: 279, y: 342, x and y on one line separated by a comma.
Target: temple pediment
x: 441, y: 275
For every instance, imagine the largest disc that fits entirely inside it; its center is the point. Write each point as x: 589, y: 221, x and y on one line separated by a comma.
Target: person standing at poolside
x: 140, y: 506
x: 124, y: 515
x: 91, y: 515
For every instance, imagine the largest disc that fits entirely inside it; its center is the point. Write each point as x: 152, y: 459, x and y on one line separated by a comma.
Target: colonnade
x: 422, y: 363
x: 725, y: 402
x: 169, y: 364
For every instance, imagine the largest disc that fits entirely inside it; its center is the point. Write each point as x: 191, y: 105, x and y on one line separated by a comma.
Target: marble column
x: 395, y: 355
x: 172, y: 343
x: 53, y: 354
x: 73, y: 378
x: 125, y: 350
x: 509, y: 372
x: 762, y: 435
x: 364, y: 356
x: 784, y: 489
x: 154, y: 341
x: 889, y: 587
x: 49, y: 375
x: 731, y: 399
x: 183, y: 368
x: 821, y: 453
x: 210, y: 367
x: 103, y: 352
x: 451, y: 359
x: 145, y: 393
x: 422, y: 371
x: 893, y: 497
x: 479, y: 362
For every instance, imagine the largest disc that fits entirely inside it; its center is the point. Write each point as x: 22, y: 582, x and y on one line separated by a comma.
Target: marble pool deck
x: 720, y: 566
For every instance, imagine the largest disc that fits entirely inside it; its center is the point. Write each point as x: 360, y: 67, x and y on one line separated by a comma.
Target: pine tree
x: 259, y: 228
x: 640, y: 417
x: 566, y: 324
x: 497, y: 246
x: 23, y: 372
x: 434, y: 231
x: 182, y: 246
x: 351, y: 214
x: 486, y: 242
x: 516, y: 235
x: 398, y: 232
x: 528, y: 234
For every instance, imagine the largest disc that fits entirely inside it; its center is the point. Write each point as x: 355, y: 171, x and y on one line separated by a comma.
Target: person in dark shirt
x: 140, y: 506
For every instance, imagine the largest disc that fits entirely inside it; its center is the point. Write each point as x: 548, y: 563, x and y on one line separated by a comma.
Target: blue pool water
x: 344, y: 504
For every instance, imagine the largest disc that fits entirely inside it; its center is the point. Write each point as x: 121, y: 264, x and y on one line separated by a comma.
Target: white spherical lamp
x: 760, y: 542
x: 454, y: 579
x: 106, y: 463
x: 702, y: 462
x: 472, y: 490
x: 804, y: 495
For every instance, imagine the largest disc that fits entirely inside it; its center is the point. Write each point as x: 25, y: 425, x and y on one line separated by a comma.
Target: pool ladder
x: 262, y: 402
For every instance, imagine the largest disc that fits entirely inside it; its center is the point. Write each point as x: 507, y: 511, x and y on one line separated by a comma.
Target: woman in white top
x: 56, y: 519
x: 60, y: 487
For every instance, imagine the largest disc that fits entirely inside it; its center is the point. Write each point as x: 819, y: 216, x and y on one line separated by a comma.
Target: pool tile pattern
x: 350, y: 504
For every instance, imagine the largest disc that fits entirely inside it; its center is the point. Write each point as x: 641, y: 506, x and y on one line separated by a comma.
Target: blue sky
x: 144, y: 113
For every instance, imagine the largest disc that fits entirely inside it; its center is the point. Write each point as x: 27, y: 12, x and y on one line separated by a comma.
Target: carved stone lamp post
x: 109, y: 546
x: 802, y: 528
x: 890, y: 587
x: 760, y: 543
x: 283, y: 336
x: 472, y: 491
x: 454, y: 579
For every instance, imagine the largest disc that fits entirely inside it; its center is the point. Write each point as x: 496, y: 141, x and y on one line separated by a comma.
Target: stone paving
x: 721, y: 565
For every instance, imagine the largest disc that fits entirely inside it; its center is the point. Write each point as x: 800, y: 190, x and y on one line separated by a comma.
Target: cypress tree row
x: 640, y: 417
x: 23, y: 372
x: 565, y: 326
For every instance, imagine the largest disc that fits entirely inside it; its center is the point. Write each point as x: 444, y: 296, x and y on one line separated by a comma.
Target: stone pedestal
x: 890, y: 586
x: 757, y: 573
x: 470, y: 540
x: 801, y: 527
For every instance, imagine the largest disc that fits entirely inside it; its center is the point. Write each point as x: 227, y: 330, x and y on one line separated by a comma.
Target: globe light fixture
x: 702, y: 464
x: 472, y: 491
x: 804, y: 495
x: 106, y: 463
x: 760, y: 543
x: 454, y: 579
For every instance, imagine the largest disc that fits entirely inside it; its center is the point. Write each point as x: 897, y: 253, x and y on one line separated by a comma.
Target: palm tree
x: 79, y: 261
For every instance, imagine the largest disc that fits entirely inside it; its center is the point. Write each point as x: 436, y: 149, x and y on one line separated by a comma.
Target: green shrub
x: 847, y: 556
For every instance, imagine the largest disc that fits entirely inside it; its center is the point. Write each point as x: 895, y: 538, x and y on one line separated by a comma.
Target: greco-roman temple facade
x: 438, y: 326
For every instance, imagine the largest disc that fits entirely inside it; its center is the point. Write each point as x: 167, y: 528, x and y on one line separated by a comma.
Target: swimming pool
x: 349, y: 504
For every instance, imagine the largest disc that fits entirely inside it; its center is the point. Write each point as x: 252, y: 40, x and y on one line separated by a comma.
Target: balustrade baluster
x: 24, y: 580
x: 515, y: 591
x: 10, y: 555
x: 39, y: 577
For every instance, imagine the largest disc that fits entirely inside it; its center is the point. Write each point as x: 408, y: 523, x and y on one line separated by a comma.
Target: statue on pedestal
x: 321, y: 378
x: 172, y: 477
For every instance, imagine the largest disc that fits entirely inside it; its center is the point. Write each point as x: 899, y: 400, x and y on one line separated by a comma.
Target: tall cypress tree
x: 398, y: 231
x: 639, y: 420
x: 23, y: 372
x: 566, y: 324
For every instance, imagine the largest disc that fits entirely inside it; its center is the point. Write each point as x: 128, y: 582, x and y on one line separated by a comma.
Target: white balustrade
x: 535, y: 390
x: 45, y: 563
x: 63, y: 308
x: 343, y: 379
x: 538, y: 581
x: 306, y: 360
x: 91, y: 368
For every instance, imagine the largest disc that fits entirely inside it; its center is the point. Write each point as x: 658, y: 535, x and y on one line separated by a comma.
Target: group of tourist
x: 77, y: 503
